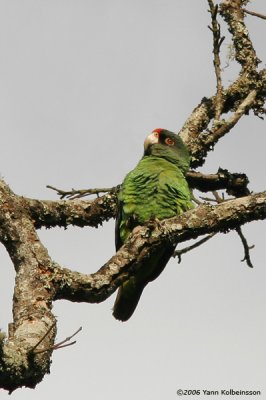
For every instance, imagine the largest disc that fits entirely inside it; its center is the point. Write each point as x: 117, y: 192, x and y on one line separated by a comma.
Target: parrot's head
x: 168, y: 145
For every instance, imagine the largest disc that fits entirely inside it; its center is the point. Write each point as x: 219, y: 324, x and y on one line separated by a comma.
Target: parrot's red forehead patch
x: 158, y: 130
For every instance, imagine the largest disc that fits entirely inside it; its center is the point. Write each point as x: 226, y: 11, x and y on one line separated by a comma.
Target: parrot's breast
x: 156, y: 188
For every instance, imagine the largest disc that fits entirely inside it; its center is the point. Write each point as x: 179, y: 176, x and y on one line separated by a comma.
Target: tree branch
x: 225, y: 126
x: 203, y: 220
x: 254, y: 14
x: 32, y: 307
x: 234, y: 183
x: 77, y: 194
x: 40, y: 280
x: 247, y: 92
x: 246, y: 248
x: 233, y: 14
x: 76, y: 212
x: 178, y: 253
x: 217, y: 42
x: 51, y: 213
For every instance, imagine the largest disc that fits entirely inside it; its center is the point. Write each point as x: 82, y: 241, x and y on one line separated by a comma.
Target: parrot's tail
x: 127, y: 301
x: 129, y: 293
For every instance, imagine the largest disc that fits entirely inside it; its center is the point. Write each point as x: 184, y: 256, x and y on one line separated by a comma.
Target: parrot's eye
x: 169, y: 142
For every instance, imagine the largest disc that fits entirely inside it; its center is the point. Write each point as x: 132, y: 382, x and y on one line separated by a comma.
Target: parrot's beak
x: 153, y: 138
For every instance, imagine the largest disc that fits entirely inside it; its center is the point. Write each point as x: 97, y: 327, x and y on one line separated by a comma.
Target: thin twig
x: 246, y: 248
x: 198, y: 202
x: 178, y: 253
x: 217, y: 42
x: 57, y: 346
x: 255, y: 14
x: 42, y: 338
x: 218, y: 199
x: 77, y: 194
x: 62, y: 344
x: 208, y: 199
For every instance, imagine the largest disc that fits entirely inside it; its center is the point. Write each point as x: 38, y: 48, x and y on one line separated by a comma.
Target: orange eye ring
x: 169, y: 142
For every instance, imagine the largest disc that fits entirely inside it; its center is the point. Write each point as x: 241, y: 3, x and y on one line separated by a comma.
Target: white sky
x: 82, y: 84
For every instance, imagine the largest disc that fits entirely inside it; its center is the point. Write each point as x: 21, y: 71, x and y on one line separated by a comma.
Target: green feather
x: 155, y: 189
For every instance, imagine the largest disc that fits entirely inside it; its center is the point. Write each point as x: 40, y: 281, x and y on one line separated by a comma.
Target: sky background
x: 82, y: 84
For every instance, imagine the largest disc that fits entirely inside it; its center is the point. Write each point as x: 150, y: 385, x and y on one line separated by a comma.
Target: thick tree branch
x: 203, y: 220
x: 247, y: 92
x: 76, y: 212
x: 235, y: 184
x: 233, y: 14
x: 32, y: 315
x: 39, y: 280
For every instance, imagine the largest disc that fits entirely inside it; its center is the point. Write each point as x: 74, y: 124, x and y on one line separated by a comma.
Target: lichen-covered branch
x: 225, y: 126
x: 40, y: 280
x: 96, y: 287
x: 76, y: 212
x: 247, y: 92
x: 217, y: 42
x: 32, y: 314
x: 233, y: 14
x: 234, y: 183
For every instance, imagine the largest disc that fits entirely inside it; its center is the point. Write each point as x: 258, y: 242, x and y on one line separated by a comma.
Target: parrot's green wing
x: 155, y: 189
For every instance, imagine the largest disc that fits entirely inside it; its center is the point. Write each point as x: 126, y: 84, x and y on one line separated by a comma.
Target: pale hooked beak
x: 153, y: 138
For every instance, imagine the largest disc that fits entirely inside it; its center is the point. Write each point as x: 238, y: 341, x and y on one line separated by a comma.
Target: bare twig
x: 217, y: 42
x: 178, y: 253
x: 255, y: 14
x: 208, y: 199
x: 57, y: 346
x: 77, y: 194
x: 218, y: 199
x: 196, y: 201
x: 246, y: 247
x: 42, y: 338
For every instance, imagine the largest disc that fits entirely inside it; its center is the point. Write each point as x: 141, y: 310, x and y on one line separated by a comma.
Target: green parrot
x: 155, y: 189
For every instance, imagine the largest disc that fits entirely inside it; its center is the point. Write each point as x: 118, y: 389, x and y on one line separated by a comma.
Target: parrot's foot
x: 154, y: 223
x: 140, y: 230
